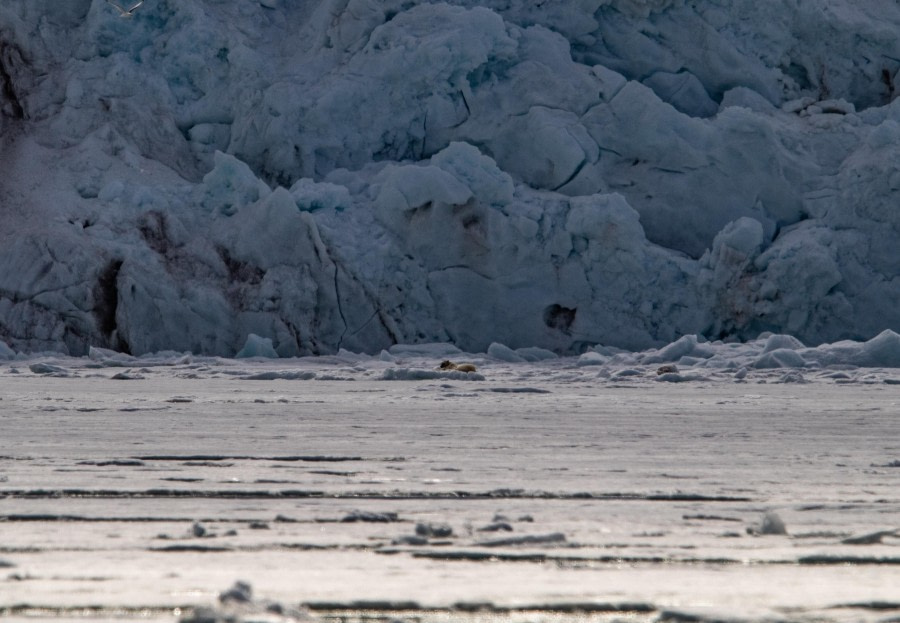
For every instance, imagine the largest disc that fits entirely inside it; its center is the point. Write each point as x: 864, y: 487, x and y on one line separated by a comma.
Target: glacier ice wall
x: 353, y: 174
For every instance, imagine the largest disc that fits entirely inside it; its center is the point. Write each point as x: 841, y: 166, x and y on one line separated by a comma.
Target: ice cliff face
x: 353, y: 173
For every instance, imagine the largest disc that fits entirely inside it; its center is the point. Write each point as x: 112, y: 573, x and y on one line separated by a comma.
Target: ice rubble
x: 689, y: 358
x: 768, y: 351
x: 355, y: 174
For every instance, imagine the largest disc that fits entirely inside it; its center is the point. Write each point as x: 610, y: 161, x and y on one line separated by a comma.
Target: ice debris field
x: 690, y: 358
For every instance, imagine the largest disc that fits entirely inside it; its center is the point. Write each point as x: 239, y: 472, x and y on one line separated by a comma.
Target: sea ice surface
x: 171, y: 487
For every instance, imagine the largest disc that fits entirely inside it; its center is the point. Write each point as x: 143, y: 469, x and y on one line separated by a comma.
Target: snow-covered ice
x: 177, y: 487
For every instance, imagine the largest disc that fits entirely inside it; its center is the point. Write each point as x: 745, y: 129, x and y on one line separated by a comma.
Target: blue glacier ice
x: 352, y: 174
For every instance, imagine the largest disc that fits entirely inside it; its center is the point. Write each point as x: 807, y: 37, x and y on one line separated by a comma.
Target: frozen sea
x: 285, y: 178
x: 355, y: 488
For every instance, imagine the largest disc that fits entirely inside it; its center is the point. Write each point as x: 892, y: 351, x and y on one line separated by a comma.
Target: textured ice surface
x: 149, y: 488
x: 354, y: 174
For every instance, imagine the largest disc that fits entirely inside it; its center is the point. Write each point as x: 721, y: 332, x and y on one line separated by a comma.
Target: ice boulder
x: 436, y: 219
x: 257, y: 346
x: 477, y: 171
x: 110, y: 358
x: 739, y: 240
x: 685, y: 346
x: 6, y: 352
x: 611, y: 82
x: 591, y: 358
x: 726, y: 274
x: 409, y: 189
x: 155, y: 312
x: 780, y: 358
x: 771, y: 524
x: 684, y: 91
x: 606, y: 219
x: 798, y: 288
x: 746, y: 98
x: 504, y: 353
x: 267, y: 234
x: 230, y: 185
x: 546, y: 148
x: 775, y: 342
x: 311, y: 196
x: 675, y: 168
x: 883, y: 350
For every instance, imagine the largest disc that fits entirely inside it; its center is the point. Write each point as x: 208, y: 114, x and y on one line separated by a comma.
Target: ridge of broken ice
x: 768, y: 351
x: 348, y: 175
x: 689, y: 358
